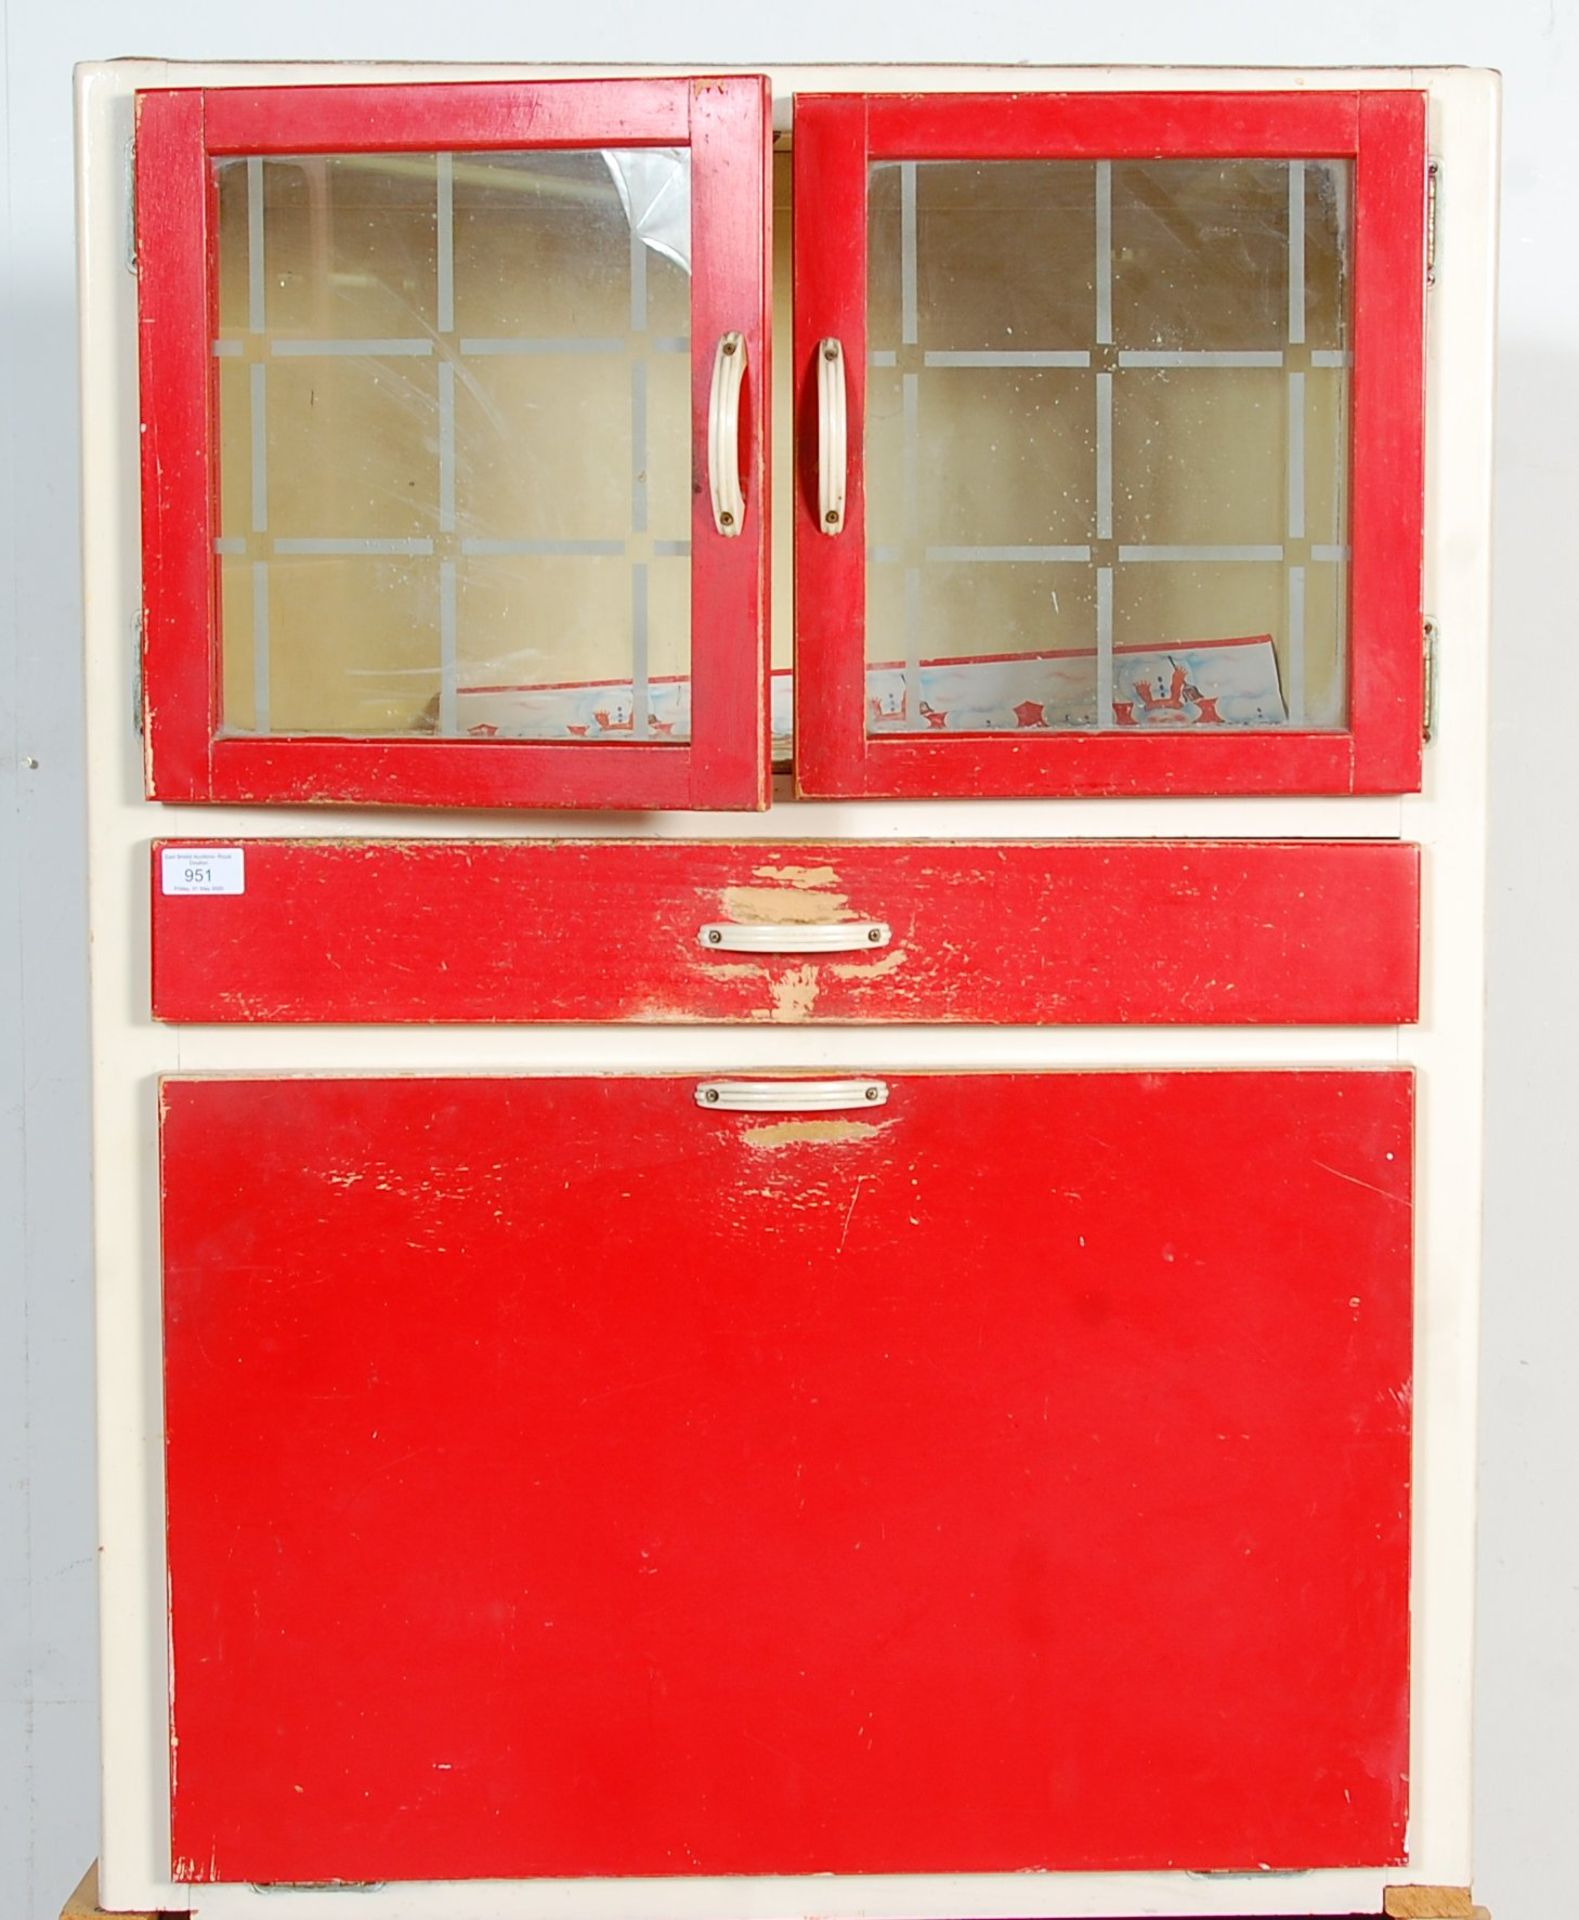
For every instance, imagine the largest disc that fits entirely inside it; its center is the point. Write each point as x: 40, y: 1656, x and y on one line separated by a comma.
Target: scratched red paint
x: 1015, y: 932
x: 566, y: 1480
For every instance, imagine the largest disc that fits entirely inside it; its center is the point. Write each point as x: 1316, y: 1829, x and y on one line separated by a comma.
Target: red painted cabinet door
x: 455, y: 442
x: 568, y: 1478
x: 1110, y: 477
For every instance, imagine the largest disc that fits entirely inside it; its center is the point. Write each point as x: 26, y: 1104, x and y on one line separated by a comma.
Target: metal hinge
x: 1433, y: 180
x: 1428, y: 704
x: 137, y: 672
x: 131, y: 205
x: 1243, y: 1873
x: 317, y: 1886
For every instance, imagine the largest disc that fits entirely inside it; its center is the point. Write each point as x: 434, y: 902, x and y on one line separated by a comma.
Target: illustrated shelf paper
x: 1200, y: 683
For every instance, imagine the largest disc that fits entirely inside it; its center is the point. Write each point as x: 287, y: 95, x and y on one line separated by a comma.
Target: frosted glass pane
x: 1107, y: 444
x: 455, y: 444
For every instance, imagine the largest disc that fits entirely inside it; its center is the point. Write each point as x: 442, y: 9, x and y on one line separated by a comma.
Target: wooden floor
x: 84, y: 1903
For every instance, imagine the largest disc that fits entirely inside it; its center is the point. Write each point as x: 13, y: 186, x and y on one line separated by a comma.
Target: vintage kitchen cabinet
x: 786, y: 819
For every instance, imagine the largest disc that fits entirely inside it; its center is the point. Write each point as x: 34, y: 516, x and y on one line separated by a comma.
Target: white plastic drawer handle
x: 843, y: 936
x: 723, y: 434
x: 791, y: 1096
x: 833, y: 436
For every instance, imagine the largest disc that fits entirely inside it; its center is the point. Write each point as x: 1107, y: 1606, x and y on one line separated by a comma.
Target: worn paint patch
x: 795, y: 1133
x: 798, y: 876
x: 794, y: 993
x: 873, y: 969
x: 792, y: 905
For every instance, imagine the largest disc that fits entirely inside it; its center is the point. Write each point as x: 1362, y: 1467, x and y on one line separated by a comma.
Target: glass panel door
x: 469, y: 418
x: 1110, y: 443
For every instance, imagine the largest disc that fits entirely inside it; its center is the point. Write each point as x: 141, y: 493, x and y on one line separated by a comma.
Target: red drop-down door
x: 575, y: 1476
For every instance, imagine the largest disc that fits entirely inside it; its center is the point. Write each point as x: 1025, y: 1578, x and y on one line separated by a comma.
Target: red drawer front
x: 1096, y: 932
x: 566, y: 1479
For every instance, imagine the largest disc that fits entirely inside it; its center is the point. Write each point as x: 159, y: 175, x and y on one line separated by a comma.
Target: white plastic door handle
x: 790, y: 1096
x: 833, y: 436
x: 723, y: 435
x: 840, y: 936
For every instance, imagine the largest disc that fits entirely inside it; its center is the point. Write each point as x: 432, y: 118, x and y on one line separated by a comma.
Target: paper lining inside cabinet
x: 1203, y: 683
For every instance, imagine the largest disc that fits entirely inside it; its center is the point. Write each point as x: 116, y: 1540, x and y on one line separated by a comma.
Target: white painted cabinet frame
x: 130, y: 1051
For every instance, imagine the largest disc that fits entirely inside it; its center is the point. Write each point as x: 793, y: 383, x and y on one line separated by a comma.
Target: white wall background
x: 1528, y: 1690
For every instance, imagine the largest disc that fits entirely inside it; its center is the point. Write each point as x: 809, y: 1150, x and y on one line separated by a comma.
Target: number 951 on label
x: 202, y: 869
